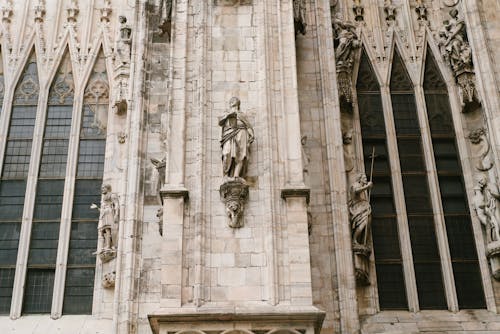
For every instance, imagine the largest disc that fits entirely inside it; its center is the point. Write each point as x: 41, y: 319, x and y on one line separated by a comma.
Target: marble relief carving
x: 299, y: 16
x: 360, y: 214
x: 456, y: 52
x: 346, y: 43
x: 108, y: 281
x: 122, y: 66
x: 236, y: 137
x: 486, y: 200
x: 109, y: 217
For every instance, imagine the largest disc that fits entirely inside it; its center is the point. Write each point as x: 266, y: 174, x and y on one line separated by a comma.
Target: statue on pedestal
x: 360, y: 213
x: 236, y: 137
x: 109, y: 216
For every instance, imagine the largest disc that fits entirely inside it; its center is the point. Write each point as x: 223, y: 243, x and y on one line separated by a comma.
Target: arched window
x: 14, y: 175
x: 91, y: 149
x: 49, y: 193
x: 434, y: 211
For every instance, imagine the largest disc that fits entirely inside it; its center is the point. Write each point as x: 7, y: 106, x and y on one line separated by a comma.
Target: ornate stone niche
x: 457, y: 53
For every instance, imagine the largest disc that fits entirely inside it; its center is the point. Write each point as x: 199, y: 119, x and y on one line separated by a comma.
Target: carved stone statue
x: 360, y: 209
x: 109, y: 216
x: 482, y: 149
x: 108, y: 280
x: 348, y: 151
x: 360, y: 214
x: 299, y: 16
x: 486, y: 202
x: 237, y: 135
x: 456, y: 51
x: 346, y: 42
x: 122, y: 52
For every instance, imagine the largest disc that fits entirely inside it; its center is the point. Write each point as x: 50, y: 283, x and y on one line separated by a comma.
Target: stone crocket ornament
x: 236, y: 136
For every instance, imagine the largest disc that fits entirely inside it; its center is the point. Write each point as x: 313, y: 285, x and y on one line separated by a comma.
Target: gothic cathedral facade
x: 249, y: 166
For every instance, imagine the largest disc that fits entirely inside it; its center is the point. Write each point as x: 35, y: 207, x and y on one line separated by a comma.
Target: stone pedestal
x: 234, y: 194
x: 362, y: 263
x: 493, y: 254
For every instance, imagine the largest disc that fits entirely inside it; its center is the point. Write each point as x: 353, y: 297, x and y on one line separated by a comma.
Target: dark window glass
x: 388, y: 261
x: 48, y: 201
x: 38, y: 291
x: 6, y: 285
x: 9, y: 240
x: 12, y: 199
x: 83, y: 243
x: 14, y: 174
x: 79, y: 291
x: 417, y: 196
x: 453, y: 196
x: 80, y: 274
x: 43, y: 244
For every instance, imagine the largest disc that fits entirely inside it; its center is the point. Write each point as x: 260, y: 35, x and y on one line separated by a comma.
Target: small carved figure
x: 360, y: 209
x: 346, y: 40
x: 305, y: 157
x: 486, y: 197
x: 165, y: 26
x: 108, y: 218
x: 234, y: 195
x: 122, y: 52
x: 237, y: 135
x: 479, y: 139
x: 390, y: 11
x: 299, y: 16
x: 108, y: 281
x: 159, y: 215
x: 456, y: 44
x: 348, y: 151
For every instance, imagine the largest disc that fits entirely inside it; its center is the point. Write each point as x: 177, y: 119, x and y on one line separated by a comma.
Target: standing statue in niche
x: 486, y: 202
x: 236, y: 137
x: 122, y: 52
x: 346, y: 42
x: 122, y: 66
x: 360, y: 213
x: 299, y: 16
x: 109, y: 216
x: 486, y: 197
x: 360, y: 209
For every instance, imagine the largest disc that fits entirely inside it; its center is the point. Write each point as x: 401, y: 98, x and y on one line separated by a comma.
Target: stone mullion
x: 67, y: 207
x: 29, y: 204
x: 437, y: 206
x: 5, y: 121
x: 399, y: 201
x: 349, y: 318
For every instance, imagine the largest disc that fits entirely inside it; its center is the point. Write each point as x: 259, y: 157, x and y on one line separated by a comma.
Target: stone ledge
x: 280, y: 316
x: 174, y: 192
x: 300, y: 191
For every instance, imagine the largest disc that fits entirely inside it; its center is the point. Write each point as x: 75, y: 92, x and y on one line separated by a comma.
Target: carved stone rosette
x: 234, y: 194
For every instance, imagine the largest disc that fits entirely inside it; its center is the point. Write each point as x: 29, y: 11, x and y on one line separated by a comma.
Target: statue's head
x: 106, y: 188
x: 362, y: 178
x: 234, y: 102
x: 454, y: 13
x: 481, y: 180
